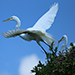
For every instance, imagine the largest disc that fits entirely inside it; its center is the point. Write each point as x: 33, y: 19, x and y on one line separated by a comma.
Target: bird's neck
x: 64, y: 45
x: 18, y: 24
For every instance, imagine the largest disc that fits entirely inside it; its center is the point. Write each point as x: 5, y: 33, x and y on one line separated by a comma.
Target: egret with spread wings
x: 38, y: 31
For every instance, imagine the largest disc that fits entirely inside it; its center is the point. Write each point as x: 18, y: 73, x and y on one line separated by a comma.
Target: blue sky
x: 14, y: 50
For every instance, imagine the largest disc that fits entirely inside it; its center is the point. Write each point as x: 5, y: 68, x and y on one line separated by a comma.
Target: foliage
x: 62, y: 64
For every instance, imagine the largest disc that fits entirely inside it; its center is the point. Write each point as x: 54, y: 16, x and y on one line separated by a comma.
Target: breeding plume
x: 38, y: 31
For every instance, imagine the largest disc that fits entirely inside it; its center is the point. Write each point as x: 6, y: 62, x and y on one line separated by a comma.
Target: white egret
x: 64, y: 38
x: 38, y: 31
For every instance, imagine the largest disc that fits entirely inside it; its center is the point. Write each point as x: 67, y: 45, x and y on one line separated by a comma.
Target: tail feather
x: 47, y: 38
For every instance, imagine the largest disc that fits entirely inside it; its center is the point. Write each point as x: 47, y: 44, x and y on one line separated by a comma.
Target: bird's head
x: 63, y: 38
x: 14, y: 18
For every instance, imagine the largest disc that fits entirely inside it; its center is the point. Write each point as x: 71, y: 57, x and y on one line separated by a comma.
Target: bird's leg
x: 42, y: 48
x: 49, y: 46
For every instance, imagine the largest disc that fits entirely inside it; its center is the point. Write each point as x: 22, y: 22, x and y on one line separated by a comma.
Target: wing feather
x: 47, y: 19
x: 14, y: 33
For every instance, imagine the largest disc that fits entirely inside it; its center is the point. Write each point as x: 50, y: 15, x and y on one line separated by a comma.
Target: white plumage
x: 65, y: 38
x: 46, y: 20
x: 38, y: 31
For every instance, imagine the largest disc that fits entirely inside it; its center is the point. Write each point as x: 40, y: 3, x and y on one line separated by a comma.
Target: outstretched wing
x: 47, y: 19
x: 14, y: 33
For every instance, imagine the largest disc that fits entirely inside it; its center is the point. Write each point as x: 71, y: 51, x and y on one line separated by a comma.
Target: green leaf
x: 71, y: 44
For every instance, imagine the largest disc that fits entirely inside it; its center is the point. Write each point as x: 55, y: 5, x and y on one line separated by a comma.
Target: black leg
x: 42, y: 48
x: 47, y: 44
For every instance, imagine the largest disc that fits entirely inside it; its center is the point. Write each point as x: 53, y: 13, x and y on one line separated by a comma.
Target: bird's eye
x: 11, y: 18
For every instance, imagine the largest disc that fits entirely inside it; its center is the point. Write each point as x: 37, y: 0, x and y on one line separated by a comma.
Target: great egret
x: 38, y: 31
x: 64, y: 38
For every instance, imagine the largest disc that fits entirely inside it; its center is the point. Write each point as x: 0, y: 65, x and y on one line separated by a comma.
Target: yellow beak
x: 60, y: 40
x: 6, y: 20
